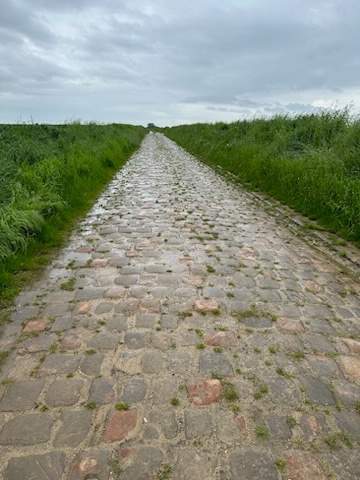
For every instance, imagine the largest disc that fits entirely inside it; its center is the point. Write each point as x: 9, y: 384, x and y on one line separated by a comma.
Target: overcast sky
x: 171, y: 62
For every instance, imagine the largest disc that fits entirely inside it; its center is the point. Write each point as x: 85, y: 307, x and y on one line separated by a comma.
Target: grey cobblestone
x: 104, y: 341
x: 152, y: 362
x: 30, y: 429
x: 197, y: 423
x: 102, y: 391
x: 133, y: 390
x: 245, y: 464
x: 63, y: 392
x: 41, y: 467
x: 74, y: 428
x: 91, y: 364
x: 135, y: 340
x: 60, y: 363
x: 21, y: 396
x: 119, y: 323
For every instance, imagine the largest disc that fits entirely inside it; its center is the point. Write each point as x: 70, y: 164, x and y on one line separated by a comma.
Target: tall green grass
x: 311, y: 162
x: 48, y: 176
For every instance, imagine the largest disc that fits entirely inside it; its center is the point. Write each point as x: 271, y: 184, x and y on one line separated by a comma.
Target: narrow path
x: 182, y: 335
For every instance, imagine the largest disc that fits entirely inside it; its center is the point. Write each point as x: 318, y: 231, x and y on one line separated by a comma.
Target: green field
x: 311, y: 162
x: 50, y: 175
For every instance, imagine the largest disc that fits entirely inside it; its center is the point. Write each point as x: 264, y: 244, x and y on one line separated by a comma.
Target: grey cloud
x: 173, y: 60
x: 62, y: 5
x: 17, y: 19
x: 301, y: 108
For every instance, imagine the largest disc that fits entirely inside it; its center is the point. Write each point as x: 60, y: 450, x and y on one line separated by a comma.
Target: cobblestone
x: 42, y: 467
x: 102, y: 391
x: 197, y: 424
x: 63, y: 392
x: 245, y: 464
x: 204, y: 320
x: 134, y: 390
x: 30, y: 429
x: 119, y: 425
x: 74, y: 428
x: 91, y: 464
x: 21, y: 396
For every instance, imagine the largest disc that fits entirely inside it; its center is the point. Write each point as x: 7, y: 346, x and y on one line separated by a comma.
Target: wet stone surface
x: 202, y: 340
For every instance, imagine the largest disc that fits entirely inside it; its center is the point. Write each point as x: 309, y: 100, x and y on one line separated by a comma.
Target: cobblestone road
x: 183, y: 334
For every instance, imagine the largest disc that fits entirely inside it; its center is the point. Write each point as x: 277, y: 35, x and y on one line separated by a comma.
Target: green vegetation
x: 68, y: 285
x: 164, y: 473
x: 291, y: 421
x: 3, y: 357
x: 336, y: 440
x: 262, y: 432
x: 261, y: 392
x: 310, y: 162
x: 115, y: 467
x: 229, y: 392
x: 122, y: 406
x: 50, y: 175
x: 280, y: 464
x: 281, y: 371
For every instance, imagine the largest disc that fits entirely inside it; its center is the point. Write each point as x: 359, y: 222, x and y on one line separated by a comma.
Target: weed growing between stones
x: 273, y: 349
x: 291, y: 421
x: 261, y: 392
x: 337, y: 439
x: 229, y: 392
x: 43, y: 407
x: 3, y: 357
x: 280, y: 464
x: 115, y: 467
x: 8, y: 381
x: 262, y: 432
x: 235, y: 408
x: 298, y: 355
x: 165, y: 472
x: 122, y: 406
x: 281, y: 371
